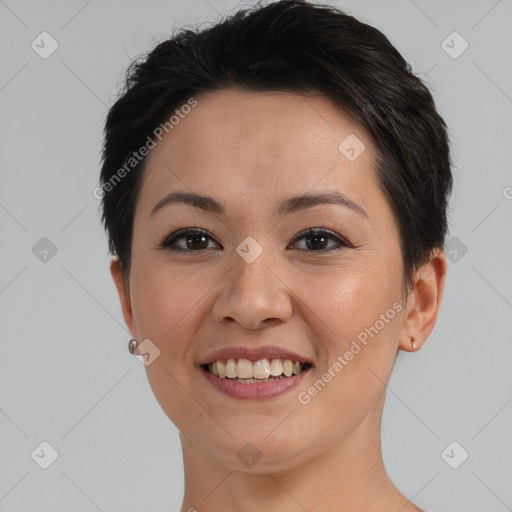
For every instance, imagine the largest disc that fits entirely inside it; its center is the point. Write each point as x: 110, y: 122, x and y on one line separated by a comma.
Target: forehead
x: 263, y: 144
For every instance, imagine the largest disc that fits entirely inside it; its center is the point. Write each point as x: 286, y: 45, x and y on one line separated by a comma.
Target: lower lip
x: 253, y: 391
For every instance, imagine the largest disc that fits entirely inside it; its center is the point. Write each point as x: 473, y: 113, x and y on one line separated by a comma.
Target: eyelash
x: 171, y: 239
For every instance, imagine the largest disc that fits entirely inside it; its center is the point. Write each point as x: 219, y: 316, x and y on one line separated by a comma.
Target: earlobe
x: 425, y: 301
x: 122, y: 289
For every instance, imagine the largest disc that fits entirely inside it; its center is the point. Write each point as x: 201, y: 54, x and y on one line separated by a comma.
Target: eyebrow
x: 291, y: 205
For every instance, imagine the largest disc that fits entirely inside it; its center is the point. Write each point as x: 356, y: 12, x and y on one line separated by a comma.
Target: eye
x: 317, y: 240
x: 187, y: 240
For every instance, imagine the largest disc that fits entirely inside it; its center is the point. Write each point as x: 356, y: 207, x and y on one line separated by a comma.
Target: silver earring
x: 132, y: 344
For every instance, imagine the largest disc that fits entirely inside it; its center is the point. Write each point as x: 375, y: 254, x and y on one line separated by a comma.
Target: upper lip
x: 253, y: 354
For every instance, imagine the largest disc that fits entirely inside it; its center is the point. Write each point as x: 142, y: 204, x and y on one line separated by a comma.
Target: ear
x: 424, y: 301
x: 121, y: 283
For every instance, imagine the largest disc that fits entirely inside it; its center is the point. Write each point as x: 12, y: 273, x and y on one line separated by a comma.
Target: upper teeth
x: 262, y: 369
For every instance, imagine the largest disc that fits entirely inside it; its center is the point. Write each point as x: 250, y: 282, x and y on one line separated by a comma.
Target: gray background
x: 66, y: 376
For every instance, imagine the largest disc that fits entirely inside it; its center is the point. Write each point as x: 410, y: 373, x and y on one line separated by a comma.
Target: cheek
x: 164, y: 300
x: 166, y: 304
x: 344, y: 300
x: 353, y: 316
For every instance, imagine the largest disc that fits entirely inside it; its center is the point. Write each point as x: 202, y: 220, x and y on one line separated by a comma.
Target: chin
x: 259, y: 446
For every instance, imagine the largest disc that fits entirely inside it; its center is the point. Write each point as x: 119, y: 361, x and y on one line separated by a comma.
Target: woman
x: 275, y: 195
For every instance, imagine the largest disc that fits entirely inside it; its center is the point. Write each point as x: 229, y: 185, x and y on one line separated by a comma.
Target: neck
x: 349, y: 477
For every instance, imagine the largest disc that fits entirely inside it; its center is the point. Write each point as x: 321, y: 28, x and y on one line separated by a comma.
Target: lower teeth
x: 254, y: 381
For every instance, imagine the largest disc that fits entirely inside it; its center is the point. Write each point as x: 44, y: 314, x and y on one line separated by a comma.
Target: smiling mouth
x: 252, y: 372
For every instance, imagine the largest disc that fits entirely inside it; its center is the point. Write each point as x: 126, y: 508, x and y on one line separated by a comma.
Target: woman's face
x: 254, y: 282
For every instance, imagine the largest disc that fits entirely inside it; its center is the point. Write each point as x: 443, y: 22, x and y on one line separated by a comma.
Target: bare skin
x: 251, y: 151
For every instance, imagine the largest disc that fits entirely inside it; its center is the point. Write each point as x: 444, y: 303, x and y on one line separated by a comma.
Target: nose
x: 253, y: 295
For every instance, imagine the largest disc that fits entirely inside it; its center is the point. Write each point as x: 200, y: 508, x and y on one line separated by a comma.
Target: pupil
x: 318, y: 238
x: 197, y: 240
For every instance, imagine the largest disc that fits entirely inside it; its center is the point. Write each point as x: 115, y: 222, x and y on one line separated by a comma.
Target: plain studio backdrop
x: 66, y: 377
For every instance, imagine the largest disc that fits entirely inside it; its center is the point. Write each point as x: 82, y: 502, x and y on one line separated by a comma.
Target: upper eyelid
x: 310, y: 231
x: 185, y: 231
x: 301, y: 234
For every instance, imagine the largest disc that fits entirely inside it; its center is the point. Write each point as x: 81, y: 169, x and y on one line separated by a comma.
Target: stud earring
x: 412, y: 343
x: 132, y: 344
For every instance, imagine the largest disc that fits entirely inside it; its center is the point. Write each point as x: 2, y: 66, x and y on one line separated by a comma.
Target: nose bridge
x: 252, y: 292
